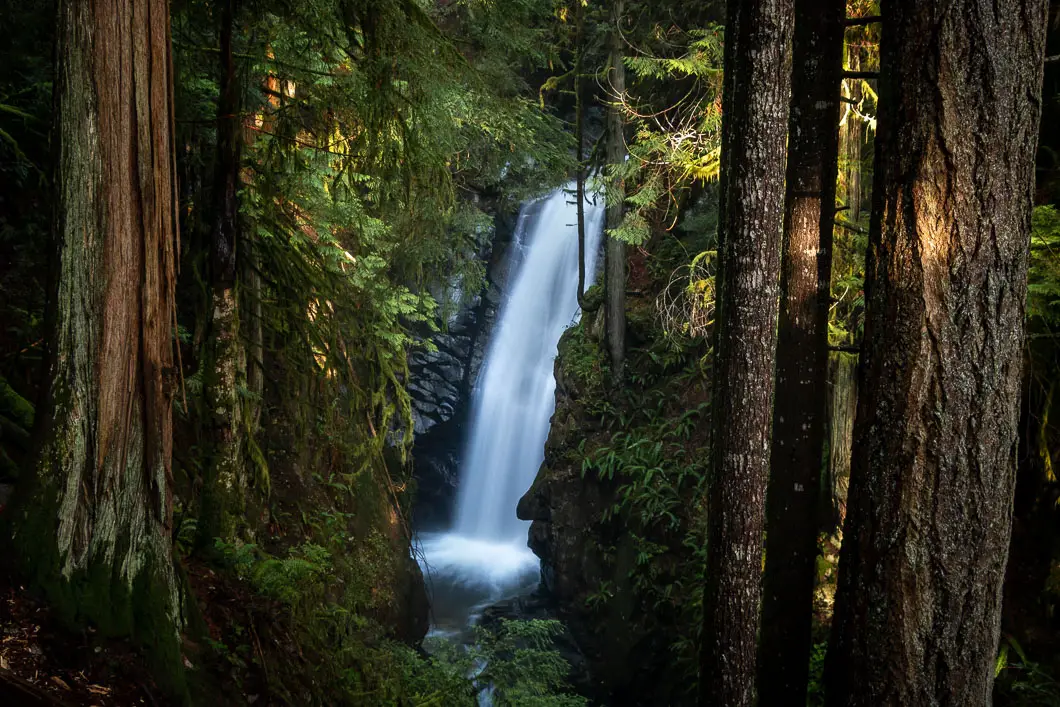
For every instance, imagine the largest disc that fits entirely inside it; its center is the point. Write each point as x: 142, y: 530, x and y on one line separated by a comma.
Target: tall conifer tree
x: 802, y: 353
x: 755, y: 122
x: 94, y: 525
x: 930, y: 509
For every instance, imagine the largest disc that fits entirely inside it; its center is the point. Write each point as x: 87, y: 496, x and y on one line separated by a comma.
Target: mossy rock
x: 584, y: 368
x: 594, y: 298
x: 16, y: 421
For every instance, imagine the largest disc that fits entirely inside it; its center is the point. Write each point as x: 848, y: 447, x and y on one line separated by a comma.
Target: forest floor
x: 41, y: 663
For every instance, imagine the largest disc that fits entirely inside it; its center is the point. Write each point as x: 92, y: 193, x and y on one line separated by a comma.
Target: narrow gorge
x: 482, y: 555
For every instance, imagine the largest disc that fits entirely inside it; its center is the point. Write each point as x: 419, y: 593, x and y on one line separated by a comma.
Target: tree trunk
x: 615, y: 254
x: 930, y: 509
x: 852, y: 135
x: 94, y: 526
x: 842, y: 408
x: 224, y: 490
x: 757, y: 91
x: 579, y: 137
x: 251, y: 304
x: 796, y: 460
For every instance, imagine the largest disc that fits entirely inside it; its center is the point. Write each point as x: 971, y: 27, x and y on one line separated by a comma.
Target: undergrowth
x: 649, y: 448
x: 514, y: 662
x: 328, y: 599
x: 329, y: 596
x: 1022, y: 681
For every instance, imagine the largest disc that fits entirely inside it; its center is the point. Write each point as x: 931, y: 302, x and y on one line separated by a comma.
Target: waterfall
x: 515, y: 394
x: 513, y: 398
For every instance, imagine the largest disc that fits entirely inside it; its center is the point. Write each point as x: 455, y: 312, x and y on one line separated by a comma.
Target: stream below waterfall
x: 484, y: 557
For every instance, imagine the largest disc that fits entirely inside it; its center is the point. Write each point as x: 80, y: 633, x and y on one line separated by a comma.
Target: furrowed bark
x: 842, y: 408
x: 755, y: 102
x: 801, y: 401
x: 94, y: 525
x: 930, y: 509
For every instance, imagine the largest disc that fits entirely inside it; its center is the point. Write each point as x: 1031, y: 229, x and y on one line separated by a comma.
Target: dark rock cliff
x: 618, y: 546
x: 590, y: 587
x: 618, y: 512
x: 442, y: 380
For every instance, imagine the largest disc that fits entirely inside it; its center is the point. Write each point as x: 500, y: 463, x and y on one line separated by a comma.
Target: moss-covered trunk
x: 93, y: 524
x: 224, y: 490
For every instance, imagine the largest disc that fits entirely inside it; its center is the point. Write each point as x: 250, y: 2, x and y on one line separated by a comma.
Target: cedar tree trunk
x: 94, y: 525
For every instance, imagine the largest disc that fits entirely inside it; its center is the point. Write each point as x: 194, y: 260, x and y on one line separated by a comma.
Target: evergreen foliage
x: 676, y: 142
x: 675, y: 146
x: 379, y: 141
x: 329, y: 594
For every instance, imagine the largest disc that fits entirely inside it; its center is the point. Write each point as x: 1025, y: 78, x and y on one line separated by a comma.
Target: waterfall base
x: 464, y: 575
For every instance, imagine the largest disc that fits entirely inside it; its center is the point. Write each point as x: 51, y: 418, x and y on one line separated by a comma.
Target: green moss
x: 222, y: 510
x: 100, y: 596
x: 16, y: 421
x: 154, y: 629
x: 594, y: 298
x: 583, y: 363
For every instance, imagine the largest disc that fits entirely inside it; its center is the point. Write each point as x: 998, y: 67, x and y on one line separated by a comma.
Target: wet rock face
x: 441, y: 381
x: 565, y: 508
x: 414, y: 615
x: 629, y: 661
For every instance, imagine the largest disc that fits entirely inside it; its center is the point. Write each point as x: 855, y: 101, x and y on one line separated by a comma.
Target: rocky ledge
x: 587, y: 562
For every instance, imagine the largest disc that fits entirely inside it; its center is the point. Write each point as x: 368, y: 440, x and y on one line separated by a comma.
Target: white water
x: 513, y: 399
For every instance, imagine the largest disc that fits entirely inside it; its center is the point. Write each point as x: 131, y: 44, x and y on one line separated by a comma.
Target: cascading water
x: 515, y: 395
x: 514, y: 399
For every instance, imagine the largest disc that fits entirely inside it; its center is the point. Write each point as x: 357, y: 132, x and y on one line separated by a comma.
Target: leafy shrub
x: 329, y: 596
x: 653, y: 461
x: 330, y: 600
x: 815, y: 689
x: 1021, y: 681
x: 1043, y: 290
x: 515, y: 662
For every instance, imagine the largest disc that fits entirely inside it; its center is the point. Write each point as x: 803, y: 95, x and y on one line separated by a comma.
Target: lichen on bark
x: 755, y: 102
